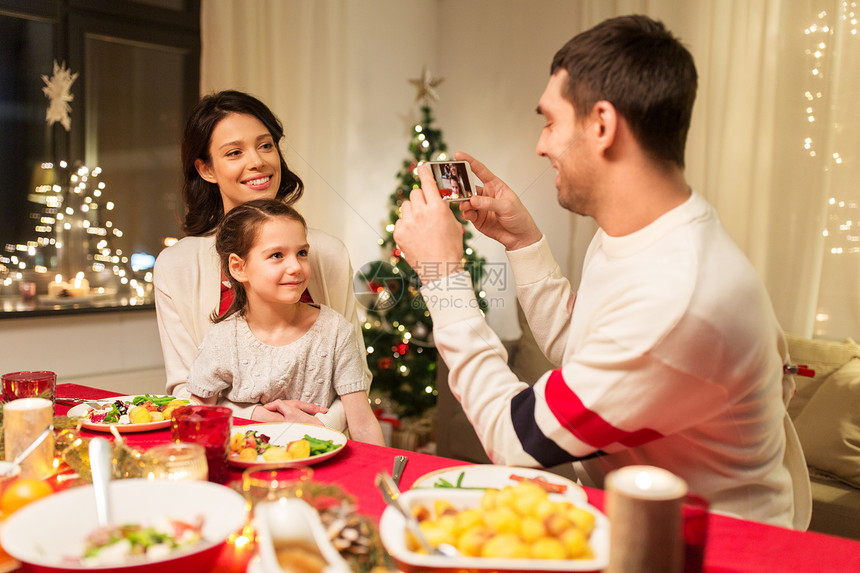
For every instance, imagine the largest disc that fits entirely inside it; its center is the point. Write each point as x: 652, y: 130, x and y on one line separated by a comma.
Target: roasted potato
x: 516, y: 522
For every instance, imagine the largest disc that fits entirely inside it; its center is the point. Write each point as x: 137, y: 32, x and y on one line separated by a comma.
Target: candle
x: 81, y: 286
x: 23, y: 420
x: 57, y: 286
x: 644, y: 507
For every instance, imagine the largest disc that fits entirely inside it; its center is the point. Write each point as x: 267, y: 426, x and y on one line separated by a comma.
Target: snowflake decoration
x: 57, y: 89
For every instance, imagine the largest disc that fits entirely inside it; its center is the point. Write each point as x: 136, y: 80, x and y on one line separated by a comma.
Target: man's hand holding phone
x: 496, y: 211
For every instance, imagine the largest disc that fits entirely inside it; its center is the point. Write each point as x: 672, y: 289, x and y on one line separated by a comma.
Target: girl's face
x: 277, y: 268
x: 245, y: 163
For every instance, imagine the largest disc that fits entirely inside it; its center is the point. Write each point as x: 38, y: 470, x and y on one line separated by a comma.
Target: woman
x: 230, y: 155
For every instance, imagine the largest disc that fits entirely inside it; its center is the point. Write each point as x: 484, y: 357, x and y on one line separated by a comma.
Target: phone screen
x: 452, y: 179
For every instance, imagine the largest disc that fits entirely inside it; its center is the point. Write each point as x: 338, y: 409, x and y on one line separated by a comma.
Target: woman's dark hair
x: 638, y: 66
x: 238, y: 232
x: 203, y: 205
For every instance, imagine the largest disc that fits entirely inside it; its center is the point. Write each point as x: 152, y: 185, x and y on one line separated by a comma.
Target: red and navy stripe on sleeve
x: 586, y: 425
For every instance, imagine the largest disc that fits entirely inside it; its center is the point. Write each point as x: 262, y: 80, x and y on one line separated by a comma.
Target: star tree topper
x: 426, y: 86
x: 57, y: 89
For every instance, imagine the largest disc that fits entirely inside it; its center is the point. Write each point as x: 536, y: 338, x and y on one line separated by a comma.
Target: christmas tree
x: 398, y: 329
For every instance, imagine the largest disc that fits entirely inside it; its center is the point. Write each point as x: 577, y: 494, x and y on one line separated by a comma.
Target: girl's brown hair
x: 238, y: 232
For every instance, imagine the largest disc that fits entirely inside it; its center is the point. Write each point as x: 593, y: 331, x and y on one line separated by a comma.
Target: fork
x: 391, y: 495
x: 97, y: 404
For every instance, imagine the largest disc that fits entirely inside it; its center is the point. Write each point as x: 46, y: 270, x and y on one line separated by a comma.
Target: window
x: 95, y: 201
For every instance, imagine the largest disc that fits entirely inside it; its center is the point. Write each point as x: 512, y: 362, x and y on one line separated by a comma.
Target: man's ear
x: 237, y: 268
x: 606, y: 119
x: 205, y: 171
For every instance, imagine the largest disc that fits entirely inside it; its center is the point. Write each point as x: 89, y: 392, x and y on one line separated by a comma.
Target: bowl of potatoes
x: 517, y: 528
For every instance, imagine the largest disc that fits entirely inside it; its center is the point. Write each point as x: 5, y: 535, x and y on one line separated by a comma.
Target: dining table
x: 733, y: 545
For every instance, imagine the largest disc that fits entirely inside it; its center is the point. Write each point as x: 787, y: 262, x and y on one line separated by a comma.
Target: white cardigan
x: 187, y: 276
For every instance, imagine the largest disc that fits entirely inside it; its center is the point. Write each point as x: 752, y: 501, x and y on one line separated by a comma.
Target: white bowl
x: 46, y: 531
x: 392, y: 530
x: 292, y: 520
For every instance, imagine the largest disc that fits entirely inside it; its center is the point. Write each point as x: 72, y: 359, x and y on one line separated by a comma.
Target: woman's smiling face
x: 244, y: 161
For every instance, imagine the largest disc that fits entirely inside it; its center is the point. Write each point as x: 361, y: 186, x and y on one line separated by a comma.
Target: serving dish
x: 286, y: 522
x: 392, y: 530
x: 124, y: 428
x: 45, y: 532
x: 492, y: 476
x: 280, y: 434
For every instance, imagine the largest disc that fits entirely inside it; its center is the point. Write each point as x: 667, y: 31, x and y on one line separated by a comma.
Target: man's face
x: 564, y: 142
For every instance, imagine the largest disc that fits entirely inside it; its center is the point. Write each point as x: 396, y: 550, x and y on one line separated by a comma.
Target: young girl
x: 270, y: 345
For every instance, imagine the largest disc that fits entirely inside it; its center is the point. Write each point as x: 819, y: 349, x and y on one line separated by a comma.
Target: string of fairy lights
x: 821, y: 33
x: 73, y: 215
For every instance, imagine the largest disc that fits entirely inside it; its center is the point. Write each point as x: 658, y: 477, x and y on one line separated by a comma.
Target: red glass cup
x: 208, y: 426
x: 695, y: 527
x: 40, y: 384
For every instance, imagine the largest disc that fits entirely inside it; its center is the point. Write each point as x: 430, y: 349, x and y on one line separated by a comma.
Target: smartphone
x: 453, y: 178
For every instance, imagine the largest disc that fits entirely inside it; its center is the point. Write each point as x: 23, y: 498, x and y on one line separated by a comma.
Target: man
x: 669, y: 353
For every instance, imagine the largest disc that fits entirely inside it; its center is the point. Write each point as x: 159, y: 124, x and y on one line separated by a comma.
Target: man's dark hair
x: 638, y: 66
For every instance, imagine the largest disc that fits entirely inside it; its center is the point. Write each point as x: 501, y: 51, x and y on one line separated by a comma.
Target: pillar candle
x: 644, y: 508
x: 57, y: 286
x: 80, y: 287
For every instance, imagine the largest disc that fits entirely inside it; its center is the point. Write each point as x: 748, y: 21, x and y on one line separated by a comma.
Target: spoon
x: 100, y: 465
x: 35, y: 444
x: 391, y: 494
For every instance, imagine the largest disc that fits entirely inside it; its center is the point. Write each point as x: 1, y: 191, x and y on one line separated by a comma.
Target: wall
x: 116, y: 350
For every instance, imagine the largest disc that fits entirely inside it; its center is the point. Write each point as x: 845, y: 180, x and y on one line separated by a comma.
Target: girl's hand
x: 289, y: 411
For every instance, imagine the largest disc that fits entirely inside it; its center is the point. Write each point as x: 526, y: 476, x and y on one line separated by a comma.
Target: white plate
x: 82, y: 409
x: 392, y: 531
x: 497, y: 477
x: 280, y: 434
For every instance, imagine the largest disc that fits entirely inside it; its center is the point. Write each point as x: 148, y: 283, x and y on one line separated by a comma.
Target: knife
x: 399, y: 464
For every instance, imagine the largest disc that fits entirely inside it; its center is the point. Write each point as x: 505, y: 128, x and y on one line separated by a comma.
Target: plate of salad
x: 283, y: 445
x: 140, y: 413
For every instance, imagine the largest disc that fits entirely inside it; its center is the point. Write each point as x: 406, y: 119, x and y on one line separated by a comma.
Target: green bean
x: 319, y: 446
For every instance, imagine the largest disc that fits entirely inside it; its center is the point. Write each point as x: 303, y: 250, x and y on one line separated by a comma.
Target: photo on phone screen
x: 452, y: 179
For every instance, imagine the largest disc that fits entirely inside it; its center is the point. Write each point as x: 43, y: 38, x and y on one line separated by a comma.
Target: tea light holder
x: 176, y: 461
x: 644, y: 508
x: 23, y: 420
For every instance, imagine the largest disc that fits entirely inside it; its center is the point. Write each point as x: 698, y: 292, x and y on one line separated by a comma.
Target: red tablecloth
x: 734, y: 545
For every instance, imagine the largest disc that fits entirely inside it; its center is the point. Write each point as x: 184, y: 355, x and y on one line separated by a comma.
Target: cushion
x: 823, y: 356
x: 829, y: 425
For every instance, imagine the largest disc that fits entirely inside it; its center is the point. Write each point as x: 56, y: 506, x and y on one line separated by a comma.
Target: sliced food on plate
x: 129, y: 413
x: 283, y: 444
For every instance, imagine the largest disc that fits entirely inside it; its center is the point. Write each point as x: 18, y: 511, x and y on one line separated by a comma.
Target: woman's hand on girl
x: 289, y: 411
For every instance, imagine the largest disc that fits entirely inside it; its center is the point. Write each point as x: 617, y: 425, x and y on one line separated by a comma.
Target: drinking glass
x: 208, y: 426
x: 695, y: 519
x: 273, y: 484
x: 41, y: 384
x: 24, y: 419
x: 176, y: 461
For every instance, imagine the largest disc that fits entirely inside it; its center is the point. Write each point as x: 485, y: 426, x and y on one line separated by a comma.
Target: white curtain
x: 773, y: 146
